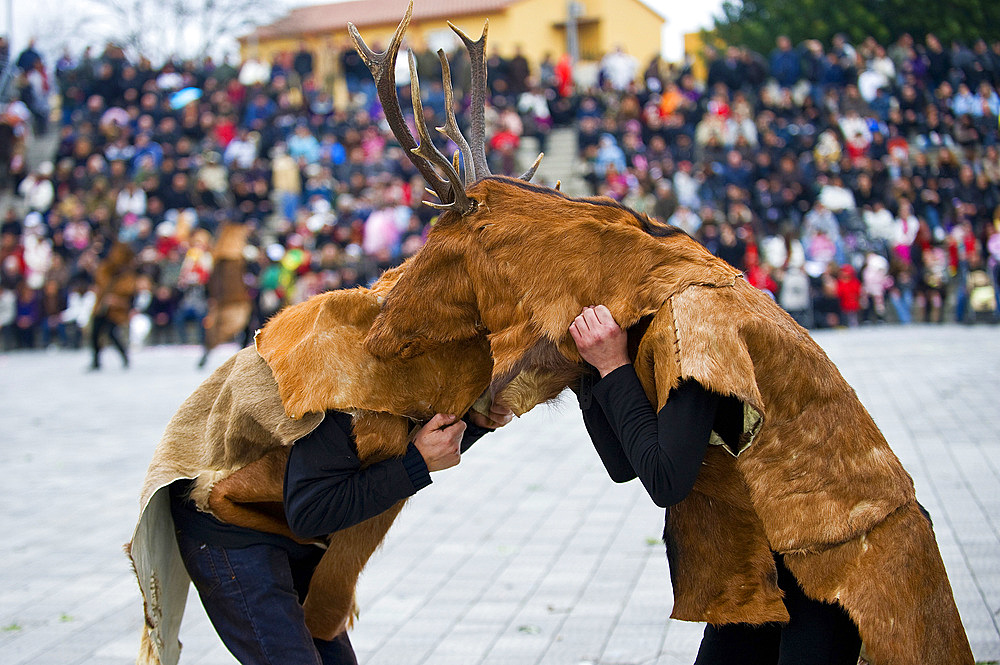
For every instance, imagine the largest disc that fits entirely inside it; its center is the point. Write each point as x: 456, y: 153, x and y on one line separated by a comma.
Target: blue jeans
x: 253, y: 596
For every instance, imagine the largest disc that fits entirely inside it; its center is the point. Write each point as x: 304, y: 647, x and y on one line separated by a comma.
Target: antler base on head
x: 449, y: 188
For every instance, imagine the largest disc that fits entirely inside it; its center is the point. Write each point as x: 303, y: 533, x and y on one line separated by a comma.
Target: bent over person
x: 279, y: 476
x: 665, y: 451
x: 253, y: 583
x: 809, y: 476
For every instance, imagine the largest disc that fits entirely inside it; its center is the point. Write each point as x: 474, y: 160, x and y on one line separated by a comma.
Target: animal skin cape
x: 233, y: 432
x: 229, y: 306
x: 813, y: 479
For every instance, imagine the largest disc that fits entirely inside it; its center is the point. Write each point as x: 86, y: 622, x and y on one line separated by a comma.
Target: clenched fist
x: 439, y: 441
x: 599, y: 339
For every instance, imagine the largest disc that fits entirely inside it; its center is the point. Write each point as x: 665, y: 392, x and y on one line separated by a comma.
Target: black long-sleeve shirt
x: 325, y: 488
x: 664, y: 450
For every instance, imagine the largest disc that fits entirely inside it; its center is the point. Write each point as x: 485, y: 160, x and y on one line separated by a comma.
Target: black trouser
x: 817, y: 634
x: 98, y: 326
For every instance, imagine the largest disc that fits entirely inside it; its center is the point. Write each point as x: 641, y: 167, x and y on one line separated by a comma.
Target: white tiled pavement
x: 524, y: 554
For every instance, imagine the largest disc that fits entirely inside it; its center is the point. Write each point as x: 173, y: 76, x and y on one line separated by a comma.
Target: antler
x: 530, y: 173
x: 450, y: 128
x: 382, y: 66
x: 429, y: 151
x: 477, y: 132
x: 426, y: 156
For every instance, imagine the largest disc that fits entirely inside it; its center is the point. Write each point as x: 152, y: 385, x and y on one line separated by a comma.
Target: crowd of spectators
x: 856, y: 183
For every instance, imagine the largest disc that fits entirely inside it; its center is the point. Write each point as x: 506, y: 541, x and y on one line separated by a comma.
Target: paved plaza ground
x: 524, y: 554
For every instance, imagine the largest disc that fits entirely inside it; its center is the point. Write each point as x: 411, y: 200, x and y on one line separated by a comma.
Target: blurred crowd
x: 855, y: 182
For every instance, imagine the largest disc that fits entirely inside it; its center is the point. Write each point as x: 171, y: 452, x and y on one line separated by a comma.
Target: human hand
x: 439, y: 441
x: 498, y: 416
x: 599, y: 339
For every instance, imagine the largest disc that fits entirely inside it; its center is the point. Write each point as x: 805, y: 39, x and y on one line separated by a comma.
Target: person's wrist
x: 416, y: 468
x: 606, y: 369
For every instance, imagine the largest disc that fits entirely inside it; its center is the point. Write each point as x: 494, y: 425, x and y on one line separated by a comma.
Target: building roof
x: 334, y: 17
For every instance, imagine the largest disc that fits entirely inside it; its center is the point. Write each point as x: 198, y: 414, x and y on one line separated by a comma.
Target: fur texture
x: 229, y: 305
x: 232, y: 434
x: 819, y: 483
x: 114, y: 284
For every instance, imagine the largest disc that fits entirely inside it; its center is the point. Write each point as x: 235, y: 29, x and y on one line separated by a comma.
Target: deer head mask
x: 510, y: 259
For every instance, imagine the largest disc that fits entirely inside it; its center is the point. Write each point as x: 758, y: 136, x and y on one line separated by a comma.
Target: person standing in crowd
x: 37, y: 189
x: 302, y: 63
x: 850, y: 293
x: 35, y: 93
x: 52, y: 305
x: 28, y: 316
x: 79, y: 306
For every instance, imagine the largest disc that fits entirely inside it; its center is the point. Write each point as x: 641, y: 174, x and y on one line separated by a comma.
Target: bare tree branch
x: 159, y: 29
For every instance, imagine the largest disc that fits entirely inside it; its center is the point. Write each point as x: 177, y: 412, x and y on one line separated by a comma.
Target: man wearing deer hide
x: 665, y: 450
x: 229, y: 305
x: 279, y: 476
x: 785, y: 492
x: 807, y: 475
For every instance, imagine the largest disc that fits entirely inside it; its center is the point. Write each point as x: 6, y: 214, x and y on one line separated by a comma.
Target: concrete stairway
x: 560, y: 161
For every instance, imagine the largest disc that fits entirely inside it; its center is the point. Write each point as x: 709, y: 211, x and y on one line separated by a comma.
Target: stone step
x: 559, y: 163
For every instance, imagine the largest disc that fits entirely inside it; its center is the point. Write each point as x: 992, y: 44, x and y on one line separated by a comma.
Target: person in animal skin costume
x: 230, y: 442
x: 229, y: 305
x: 664, y: 450
x: 811, y: 478
x: 806, y: 476
x: 114, y: 287
x: 232, y: 437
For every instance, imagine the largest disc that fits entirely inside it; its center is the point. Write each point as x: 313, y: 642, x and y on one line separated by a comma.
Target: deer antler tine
x: 382, y: 66
x: 450, y: 128
x: 429, y: 151
x: 439, y: 206
x: 477, y: 131
x: 368, y: 55
x: 530, y: 173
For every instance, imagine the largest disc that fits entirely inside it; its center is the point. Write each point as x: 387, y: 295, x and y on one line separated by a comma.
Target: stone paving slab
x: 526, y: 553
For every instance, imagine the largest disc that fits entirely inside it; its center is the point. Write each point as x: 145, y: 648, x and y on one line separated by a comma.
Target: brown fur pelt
x: 233, y: 433
x: 813, y: 478
x: 229, y: 306
x: 316, y: 352
x: 115, y: 283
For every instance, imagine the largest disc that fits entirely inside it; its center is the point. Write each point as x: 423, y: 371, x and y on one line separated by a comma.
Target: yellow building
x: 536, y: 27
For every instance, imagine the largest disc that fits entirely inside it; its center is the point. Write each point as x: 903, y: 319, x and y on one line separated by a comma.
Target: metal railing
x: 7, y: 77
